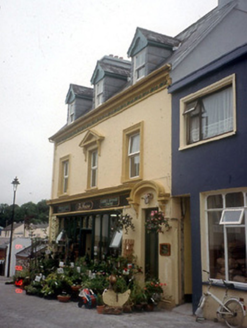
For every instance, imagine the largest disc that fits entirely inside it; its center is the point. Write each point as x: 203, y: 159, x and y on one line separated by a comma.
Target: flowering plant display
x: 155, y: 221
x: 153, y: 287
x: 153, y: 290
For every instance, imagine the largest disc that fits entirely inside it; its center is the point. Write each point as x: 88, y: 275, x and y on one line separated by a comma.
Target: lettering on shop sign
x: 61, y: 209
x: 84, y: 206
x: 109, y: 202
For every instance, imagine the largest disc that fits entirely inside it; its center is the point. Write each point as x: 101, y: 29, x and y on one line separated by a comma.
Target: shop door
x: 151, y: 252
x: 86, y: 242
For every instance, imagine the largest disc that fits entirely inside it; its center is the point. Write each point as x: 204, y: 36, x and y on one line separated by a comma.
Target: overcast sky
x: 45, y: 46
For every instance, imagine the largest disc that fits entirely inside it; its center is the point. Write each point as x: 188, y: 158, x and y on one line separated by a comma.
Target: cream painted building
x: 116, y: 159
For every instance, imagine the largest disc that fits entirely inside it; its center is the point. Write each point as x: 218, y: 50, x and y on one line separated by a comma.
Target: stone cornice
x: 147, y: 86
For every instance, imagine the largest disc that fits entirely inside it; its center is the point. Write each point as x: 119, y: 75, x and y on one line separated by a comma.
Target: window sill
x: 137, y: 179
x: 202, y: 142
x: 91, y: 189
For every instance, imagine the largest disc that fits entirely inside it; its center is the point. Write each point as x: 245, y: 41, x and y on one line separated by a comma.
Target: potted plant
x: 153, y: 290
x: 64, y: 297
x: 138, y: 296
x: 100, y: 304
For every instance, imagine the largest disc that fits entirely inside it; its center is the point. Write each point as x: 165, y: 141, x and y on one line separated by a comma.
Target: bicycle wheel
x: 236, y: 317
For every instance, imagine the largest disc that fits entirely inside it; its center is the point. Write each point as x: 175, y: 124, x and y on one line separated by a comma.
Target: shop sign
x: 109, y: 202
x: 84, y: 206
x: 63, y: 208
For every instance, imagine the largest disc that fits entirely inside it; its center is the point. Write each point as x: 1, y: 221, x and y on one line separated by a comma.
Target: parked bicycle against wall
x: 232, y: 309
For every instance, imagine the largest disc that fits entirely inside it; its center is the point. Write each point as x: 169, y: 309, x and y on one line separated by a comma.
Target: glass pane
x: 94, y: 159
x: 235, y: 199
x: 105, y: 236
x: 140, y: 72
x: 134, y: 166
x: 140, y: 59
x: 214, y: 201
x: 216, y: 245
x: 236, y: 268
x: 218, y: 113
x: 194, y: 134
x: 93, y: 178
x: 65, y: 184
x: 232, y: 216
x: 97, y: 237
x: 66, y: 167
x: 134, y: 144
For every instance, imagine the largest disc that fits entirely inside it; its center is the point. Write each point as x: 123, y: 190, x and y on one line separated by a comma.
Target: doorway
x: 151, y: 251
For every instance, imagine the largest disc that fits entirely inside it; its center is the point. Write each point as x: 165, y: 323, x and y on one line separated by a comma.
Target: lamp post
x: 15, y: 184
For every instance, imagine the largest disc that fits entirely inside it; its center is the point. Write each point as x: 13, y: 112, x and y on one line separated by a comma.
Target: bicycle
x: 231, y: 310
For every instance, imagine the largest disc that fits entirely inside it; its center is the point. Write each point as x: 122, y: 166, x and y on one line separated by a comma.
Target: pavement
x: 20, y: 310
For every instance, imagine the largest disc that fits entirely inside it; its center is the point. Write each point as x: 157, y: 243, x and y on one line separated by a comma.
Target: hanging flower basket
x: 123, y: 222
x: 155, y: 222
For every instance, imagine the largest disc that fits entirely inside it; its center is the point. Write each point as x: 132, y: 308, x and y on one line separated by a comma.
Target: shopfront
x: 87, y: 227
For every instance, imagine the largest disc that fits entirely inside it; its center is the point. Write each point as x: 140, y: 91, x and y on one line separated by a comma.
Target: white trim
x: 217, y: 86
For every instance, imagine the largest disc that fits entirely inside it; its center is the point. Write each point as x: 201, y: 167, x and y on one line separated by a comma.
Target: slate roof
x: 109, y: 68
x: 159, y: 38
x: 195, y: 33
x: 81, y: 91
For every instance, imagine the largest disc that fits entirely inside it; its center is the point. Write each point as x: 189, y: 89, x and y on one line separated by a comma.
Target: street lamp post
x: 15, y: 184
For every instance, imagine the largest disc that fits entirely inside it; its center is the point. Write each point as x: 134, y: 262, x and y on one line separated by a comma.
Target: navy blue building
x: 209, y: 167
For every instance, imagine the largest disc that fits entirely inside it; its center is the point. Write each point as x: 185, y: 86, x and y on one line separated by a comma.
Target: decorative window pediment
x: 91, y: 140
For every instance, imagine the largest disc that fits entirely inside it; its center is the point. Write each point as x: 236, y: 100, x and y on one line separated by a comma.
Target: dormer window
x: 139, y: 65
x: 99, y: 93
x: 71, y: 114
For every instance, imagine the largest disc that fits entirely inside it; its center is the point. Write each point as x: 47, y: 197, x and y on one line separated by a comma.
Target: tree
x: 28, y: 212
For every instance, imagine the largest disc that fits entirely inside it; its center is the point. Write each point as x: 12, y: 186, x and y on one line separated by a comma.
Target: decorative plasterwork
x: 142, y: 186
x: 91, y: 139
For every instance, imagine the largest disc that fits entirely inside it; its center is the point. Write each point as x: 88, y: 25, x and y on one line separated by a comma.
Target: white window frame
x: 188, y: 105
x: 93, y: 168
x: 99, y: 92
x: 133, y: 155
x: 240, y: 224
x: 71, y: 113
x: 65, y: 176
x: 232, y: 210
x: 139, y: 68
x: 127, y: 134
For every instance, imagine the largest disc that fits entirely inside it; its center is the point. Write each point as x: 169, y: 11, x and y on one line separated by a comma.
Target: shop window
x: 132, y: 152
x: 227, y: 236
x: 208, y: 114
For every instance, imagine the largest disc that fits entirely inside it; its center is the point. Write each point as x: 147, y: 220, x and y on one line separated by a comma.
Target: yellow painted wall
x: 155, y: 112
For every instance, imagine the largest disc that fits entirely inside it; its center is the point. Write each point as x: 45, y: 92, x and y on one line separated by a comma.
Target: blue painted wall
x: 215, y: 165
